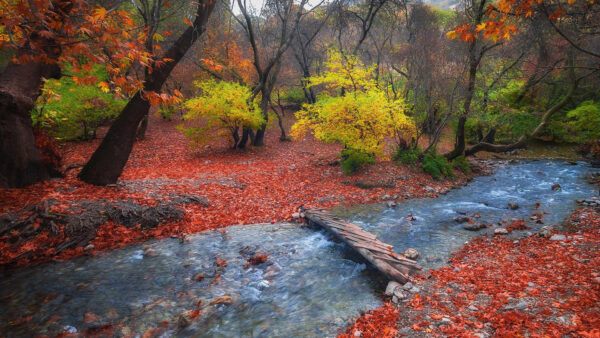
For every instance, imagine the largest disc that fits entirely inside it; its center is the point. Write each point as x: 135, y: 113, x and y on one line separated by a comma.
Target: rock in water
x: 411, y: 254
x: 473, y: 226
x: 556, y: 187
x: 513, y: 205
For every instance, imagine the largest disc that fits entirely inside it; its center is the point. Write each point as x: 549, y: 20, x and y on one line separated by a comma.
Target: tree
x: 42, y: 34
x: 107, y: 162
x: 360, y: 117
x: 267, y: 55
x: 222, y: 107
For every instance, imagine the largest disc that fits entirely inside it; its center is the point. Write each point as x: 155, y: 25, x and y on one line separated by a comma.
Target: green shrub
x: 353, y: 160
x: 585, y: 121
x: 407, y: 156
x: 70, y: 110
x: 461, y: 164
x: 437, y: 166
x: 293, y: 95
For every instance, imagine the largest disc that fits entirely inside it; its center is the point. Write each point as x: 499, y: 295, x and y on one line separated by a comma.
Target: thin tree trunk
x: 107, y: 163
x: 264, y: 106
x: 141, y: 132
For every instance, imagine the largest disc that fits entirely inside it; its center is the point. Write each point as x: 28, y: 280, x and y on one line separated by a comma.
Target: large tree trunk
x: 107, y: 163
x: 20, y: 85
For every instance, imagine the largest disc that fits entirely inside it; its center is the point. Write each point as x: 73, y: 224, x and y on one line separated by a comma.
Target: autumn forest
x: 352, y: 168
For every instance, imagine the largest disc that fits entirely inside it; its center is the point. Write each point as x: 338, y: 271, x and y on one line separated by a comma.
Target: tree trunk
x: 20, y: 86
x: 245, y: 138
x: 236, y: 138
x: 264, y: 106
x: 107, y: 162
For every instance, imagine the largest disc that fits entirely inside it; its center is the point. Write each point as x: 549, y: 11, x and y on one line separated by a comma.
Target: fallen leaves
x: 531, y: 287
x: 258, y: 185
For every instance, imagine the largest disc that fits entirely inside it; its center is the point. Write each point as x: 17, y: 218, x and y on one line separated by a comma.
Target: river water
x: 309, y: 285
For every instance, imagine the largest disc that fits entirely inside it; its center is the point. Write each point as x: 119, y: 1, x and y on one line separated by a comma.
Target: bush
x: 407, y: 156
x: 69, y: 110
x: 353, y: 160
x: 461, y: 164
x: 223, y: 108
x: 293, y: 95
x: 437, y: 166
x: 585, y: 121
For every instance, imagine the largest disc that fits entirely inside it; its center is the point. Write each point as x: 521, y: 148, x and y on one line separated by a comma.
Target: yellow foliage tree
x: 223, y: 108
x: 359, y: 115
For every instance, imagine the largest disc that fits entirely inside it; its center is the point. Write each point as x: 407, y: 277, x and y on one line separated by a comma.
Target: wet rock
x: 513, y: 205
x: 522, y: 305
x: 473, y: 226
x: 386, y: 197
x: 391, y: 204
x: 500, y: 231
x: 473, y: 308
x: 407, y: 286
x: 558, y: 237
x: 415, y: 289
x: 358, y: 333
x: 89, y: 247
x: 296, y: 215
x: 462, y: 219
x: 430, y: 190
x: 391, y: 287
x: 545, y: 231
x: 411, y: 254
x: 226, y: 299
x: 556, y: 187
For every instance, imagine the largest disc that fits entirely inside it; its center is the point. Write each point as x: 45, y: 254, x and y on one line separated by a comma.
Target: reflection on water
x: 309, y: 285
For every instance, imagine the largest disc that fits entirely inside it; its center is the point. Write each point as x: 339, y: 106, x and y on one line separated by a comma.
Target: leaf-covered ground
x: 501, y: 287
x: 258, y: 185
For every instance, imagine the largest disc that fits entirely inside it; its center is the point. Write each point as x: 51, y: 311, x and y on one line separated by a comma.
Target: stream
x: 309, y: 285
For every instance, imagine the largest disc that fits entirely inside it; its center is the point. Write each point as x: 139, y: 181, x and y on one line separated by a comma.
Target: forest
x: 361, y: 168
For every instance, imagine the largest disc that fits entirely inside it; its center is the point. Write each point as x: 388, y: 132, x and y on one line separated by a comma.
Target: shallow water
x: 309, y: 285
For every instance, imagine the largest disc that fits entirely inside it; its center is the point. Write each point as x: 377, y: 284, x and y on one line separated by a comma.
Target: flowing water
x: 309, y: 285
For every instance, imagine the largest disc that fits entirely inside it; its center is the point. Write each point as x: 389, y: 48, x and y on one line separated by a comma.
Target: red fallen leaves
x: 257, y: 259
x: 381, y: 322
x: 258, y: 185
x: 517, y: 224
x: 559, y: 281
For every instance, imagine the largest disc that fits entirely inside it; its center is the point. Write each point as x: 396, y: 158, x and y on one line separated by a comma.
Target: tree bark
x: 20, y: 86
x: 264, y: 106
x: 107, y: 163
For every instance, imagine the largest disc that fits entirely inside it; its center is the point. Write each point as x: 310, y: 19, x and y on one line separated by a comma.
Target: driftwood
x: 381, y: 255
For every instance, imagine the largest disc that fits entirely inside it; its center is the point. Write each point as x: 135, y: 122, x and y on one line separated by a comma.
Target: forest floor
x: 494, y: 286
x: 170, y: 189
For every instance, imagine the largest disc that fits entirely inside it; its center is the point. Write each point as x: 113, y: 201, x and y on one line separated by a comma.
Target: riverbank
x: 169, y: 189
x: 497, y: 286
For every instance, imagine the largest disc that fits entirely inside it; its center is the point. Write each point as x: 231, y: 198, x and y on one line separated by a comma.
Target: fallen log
x: 381, y: 255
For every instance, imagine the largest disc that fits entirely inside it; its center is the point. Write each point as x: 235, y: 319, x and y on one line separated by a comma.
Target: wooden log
x: 376, y: 252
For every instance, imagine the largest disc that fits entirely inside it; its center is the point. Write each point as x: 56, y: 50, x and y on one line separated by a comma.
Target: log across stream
x: 309, y: 285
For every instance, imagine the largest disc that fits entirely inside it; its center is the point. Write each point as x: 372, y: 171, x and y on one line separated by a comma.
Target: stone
x: 386, y: 197
x: 399, y: 295
x: 226, y: 299
x: 473, y: 226
x: 556, y: 187
x: 500, y: 231
x: 407, y: 286
x: 358, y: 333
x: 522, y: 305
x: 296, y: 215
x: 429, y: 189
x: 411, y: 254
x: 89, y: 247
x: 462, y: 219
x: 473, y: 308
x: 415, y: 289
x: 391, y: 287
x: 545, y: 231
x: 513, y: 205
x: 558, y: 237
x: 391, y: 204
